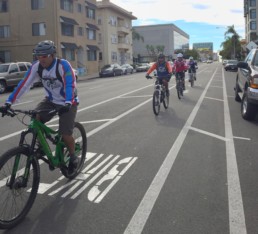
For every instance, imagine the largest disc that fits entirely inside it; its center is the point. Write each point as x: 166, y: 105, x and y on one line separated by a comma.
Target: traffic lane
x: 245, y: 139
x: 196, y: 189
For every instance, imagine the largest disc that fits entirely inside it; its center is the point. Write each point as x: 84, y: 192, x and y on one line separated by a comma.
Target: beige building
x: 115, y: 37
x: 251, y: 20
x: 72, y: 25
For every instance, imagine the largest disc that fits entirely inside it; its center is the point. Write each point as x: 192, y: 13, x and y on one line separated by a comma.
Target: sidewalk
x: 88, y: 77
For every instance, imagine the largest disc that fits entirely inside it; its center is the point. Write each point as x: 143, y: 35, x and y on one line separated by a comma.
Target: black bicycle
x: 159, y: 96
x: 180, y: 84
x: 192, y: 77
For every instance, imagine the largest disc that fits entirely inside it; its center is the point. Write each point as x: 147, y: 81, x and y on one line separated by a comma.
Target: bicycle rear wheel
x: 156, y: 102
x: 192, y: 79
x: 17, y: 193
x: 80, y: 138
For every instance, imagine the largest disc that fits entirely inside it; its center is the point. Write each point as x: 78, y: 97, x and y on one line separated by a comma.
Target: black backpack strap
x: 58, y: 76
x: 40, y: 70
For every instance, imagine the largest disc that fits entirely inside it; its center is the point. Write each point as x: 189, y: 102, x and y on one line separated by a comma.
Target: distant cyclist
x: 180, y: 67
x: 164, y: 71
x: 192, y: 66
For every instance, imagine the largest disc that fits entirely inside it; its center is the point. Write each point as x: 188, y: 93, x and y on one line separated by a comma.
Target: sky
x: 202, y: 20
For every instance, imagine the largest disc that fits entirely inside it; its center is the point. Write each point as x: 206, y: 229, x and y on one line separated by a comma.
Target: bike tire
x: 166, y: 101
x: 192, y: 82
x: 12, y: 209
x: 80, y: 137
x: 178, y: 88
x: 156, y: 103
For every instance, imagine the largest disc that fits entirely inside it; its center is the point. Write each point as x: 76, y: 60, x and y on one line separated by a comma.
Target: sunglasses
x: 43, y: 56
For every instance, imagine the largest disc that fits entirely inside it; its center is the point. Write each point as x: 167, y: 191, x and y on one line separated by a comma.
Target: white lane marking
x: 22, y: 103
x: 209, y: 134
x: 236, y: 210
x: 242, y: 138
x: 215, y: 99
x: 215, y: 86
x: 137, y: 96
x: 143, y: 211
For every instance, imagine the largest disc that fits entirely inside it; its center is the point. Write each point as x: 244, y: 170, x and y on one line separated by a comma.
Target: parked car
x: 127, y: 69
x: 11, y: 74
x: 224, y: 62
x: 231, y: 65
x: 111, y: 70
x: 142, y: 67
x: 246, y: 88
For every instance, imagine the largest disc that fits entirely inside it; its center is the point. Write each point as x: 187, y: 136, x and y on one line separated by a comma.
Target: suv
x: 246, y: 88
x: 11, y: 74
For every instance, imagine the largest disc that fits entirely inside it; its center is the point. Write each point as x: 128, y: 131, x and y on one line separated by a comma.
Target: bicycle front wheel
x: 165, y: 100
x: 179, y: 89
x: 80, y: 139
x: 156, y: 103
x: 19, y: 182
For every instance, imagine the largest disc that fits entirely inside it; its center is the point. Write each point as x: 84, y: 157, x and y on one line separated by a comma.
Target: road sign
x: 251, y: 45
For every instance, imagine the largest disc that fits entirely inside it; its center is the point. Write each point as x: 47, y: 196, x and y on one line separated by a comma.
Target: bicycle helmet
x: 191, y: 58
x: 179, y: 55
x: 44, y: 48
x: 161, y: 56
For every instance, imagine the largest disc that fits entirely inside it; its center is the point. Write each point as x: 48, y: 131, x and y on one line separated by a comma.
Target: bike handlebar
x: 32, y: 113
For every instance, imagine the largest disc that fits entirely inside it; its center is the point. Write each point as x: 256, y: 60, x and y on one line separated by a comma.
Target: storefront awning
x: 68, y: 20
x: 71, y: 46
x: 91, y: 5
x: 92, y: 26
x: 92, y: 47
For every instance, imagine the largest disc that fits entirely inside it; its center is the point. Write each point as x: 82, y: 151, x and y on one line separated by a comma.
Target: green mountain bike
x: 19, y: 166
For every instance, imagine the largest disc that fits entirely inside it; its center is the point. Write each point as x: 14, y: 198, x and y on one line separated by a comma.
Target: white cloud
x: 215, y: 12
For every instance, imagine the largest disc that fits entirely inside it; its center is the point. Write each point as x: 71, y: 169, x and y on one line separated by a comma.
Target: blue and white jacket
x: 57, y: 91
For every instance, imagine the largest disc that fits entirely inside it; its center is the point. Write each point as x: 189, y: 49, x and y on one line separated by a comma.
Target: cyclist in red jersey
x: 180, y: 67
x: 164, y: 71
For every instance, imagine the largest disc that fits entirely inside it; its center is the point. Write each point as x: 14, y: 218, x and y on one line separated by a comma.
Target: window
x: 4, y: 31
x: 253, y: 14
x: 22, y: 67
x: 37, y: 4
x: 100, y: 56
x: 114, y: 56
x: 67, y: 5
x: 13, y: 68
x: 91, y: 34
x: 113, y: 20
x: 92, y: 55
x: 79, y: 8
x: 100, y: 38
x: 99, y: 21
x: 3, y: 6
x: 252, y: 3
x: 90, y: 13
x: 67, y: 30
x: 80, y: 31
x: 253, y: 25
x: 68, y: 54
x: 113, y: 39
x: 38, y: 29
x: 5, y: 56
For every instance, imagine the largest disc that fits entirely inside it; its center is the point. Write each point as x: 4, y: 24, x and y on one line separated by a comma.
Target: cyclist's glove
x: 4, y: 109
x: 148, y: 76
x: 64, y: 108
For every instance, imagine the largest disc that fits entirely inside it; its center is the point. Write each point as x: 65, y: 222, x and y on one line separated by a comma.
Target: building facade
x: 165, y: 37
x: 72, y: 25
x: 205, y: 50
x: 115, y: 36
x: 250, y: 14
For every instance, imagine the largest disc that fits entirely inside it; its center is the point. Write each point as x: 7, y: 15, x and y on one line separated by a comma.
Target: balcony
x: 123, y: 46
x: 123, y: 30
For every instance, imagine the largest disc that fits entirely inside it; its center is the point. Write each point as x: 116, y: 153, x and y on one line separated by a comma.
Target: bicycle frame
x: 41, y: 132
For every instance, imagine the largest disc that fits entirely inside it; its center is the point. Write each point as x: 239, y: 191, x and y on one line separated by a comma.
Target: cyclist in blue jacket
x: 59, y: 82
x: 192, y: 66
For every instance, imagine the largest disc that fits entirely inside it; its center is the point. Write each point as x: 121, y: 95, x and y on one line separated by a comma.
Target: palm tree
x: 234, y: 38
x: 137, y: 36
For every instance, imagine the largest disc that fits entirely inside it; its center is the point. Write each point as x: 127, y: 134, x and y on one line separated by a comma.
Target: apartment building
x: 166, y: 36
x: 251, y: 20
x: 74, y: 26
x: 115, y: 35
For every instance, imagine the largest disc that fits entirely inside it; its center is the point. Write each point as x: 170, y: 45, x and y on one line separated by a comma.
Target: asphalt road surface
x: 192, y: 169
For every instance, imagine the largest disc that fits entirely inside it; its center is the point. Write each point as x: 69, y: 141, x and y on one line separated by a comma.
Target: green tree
x: 231, y: 45
x: 137, y: 36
